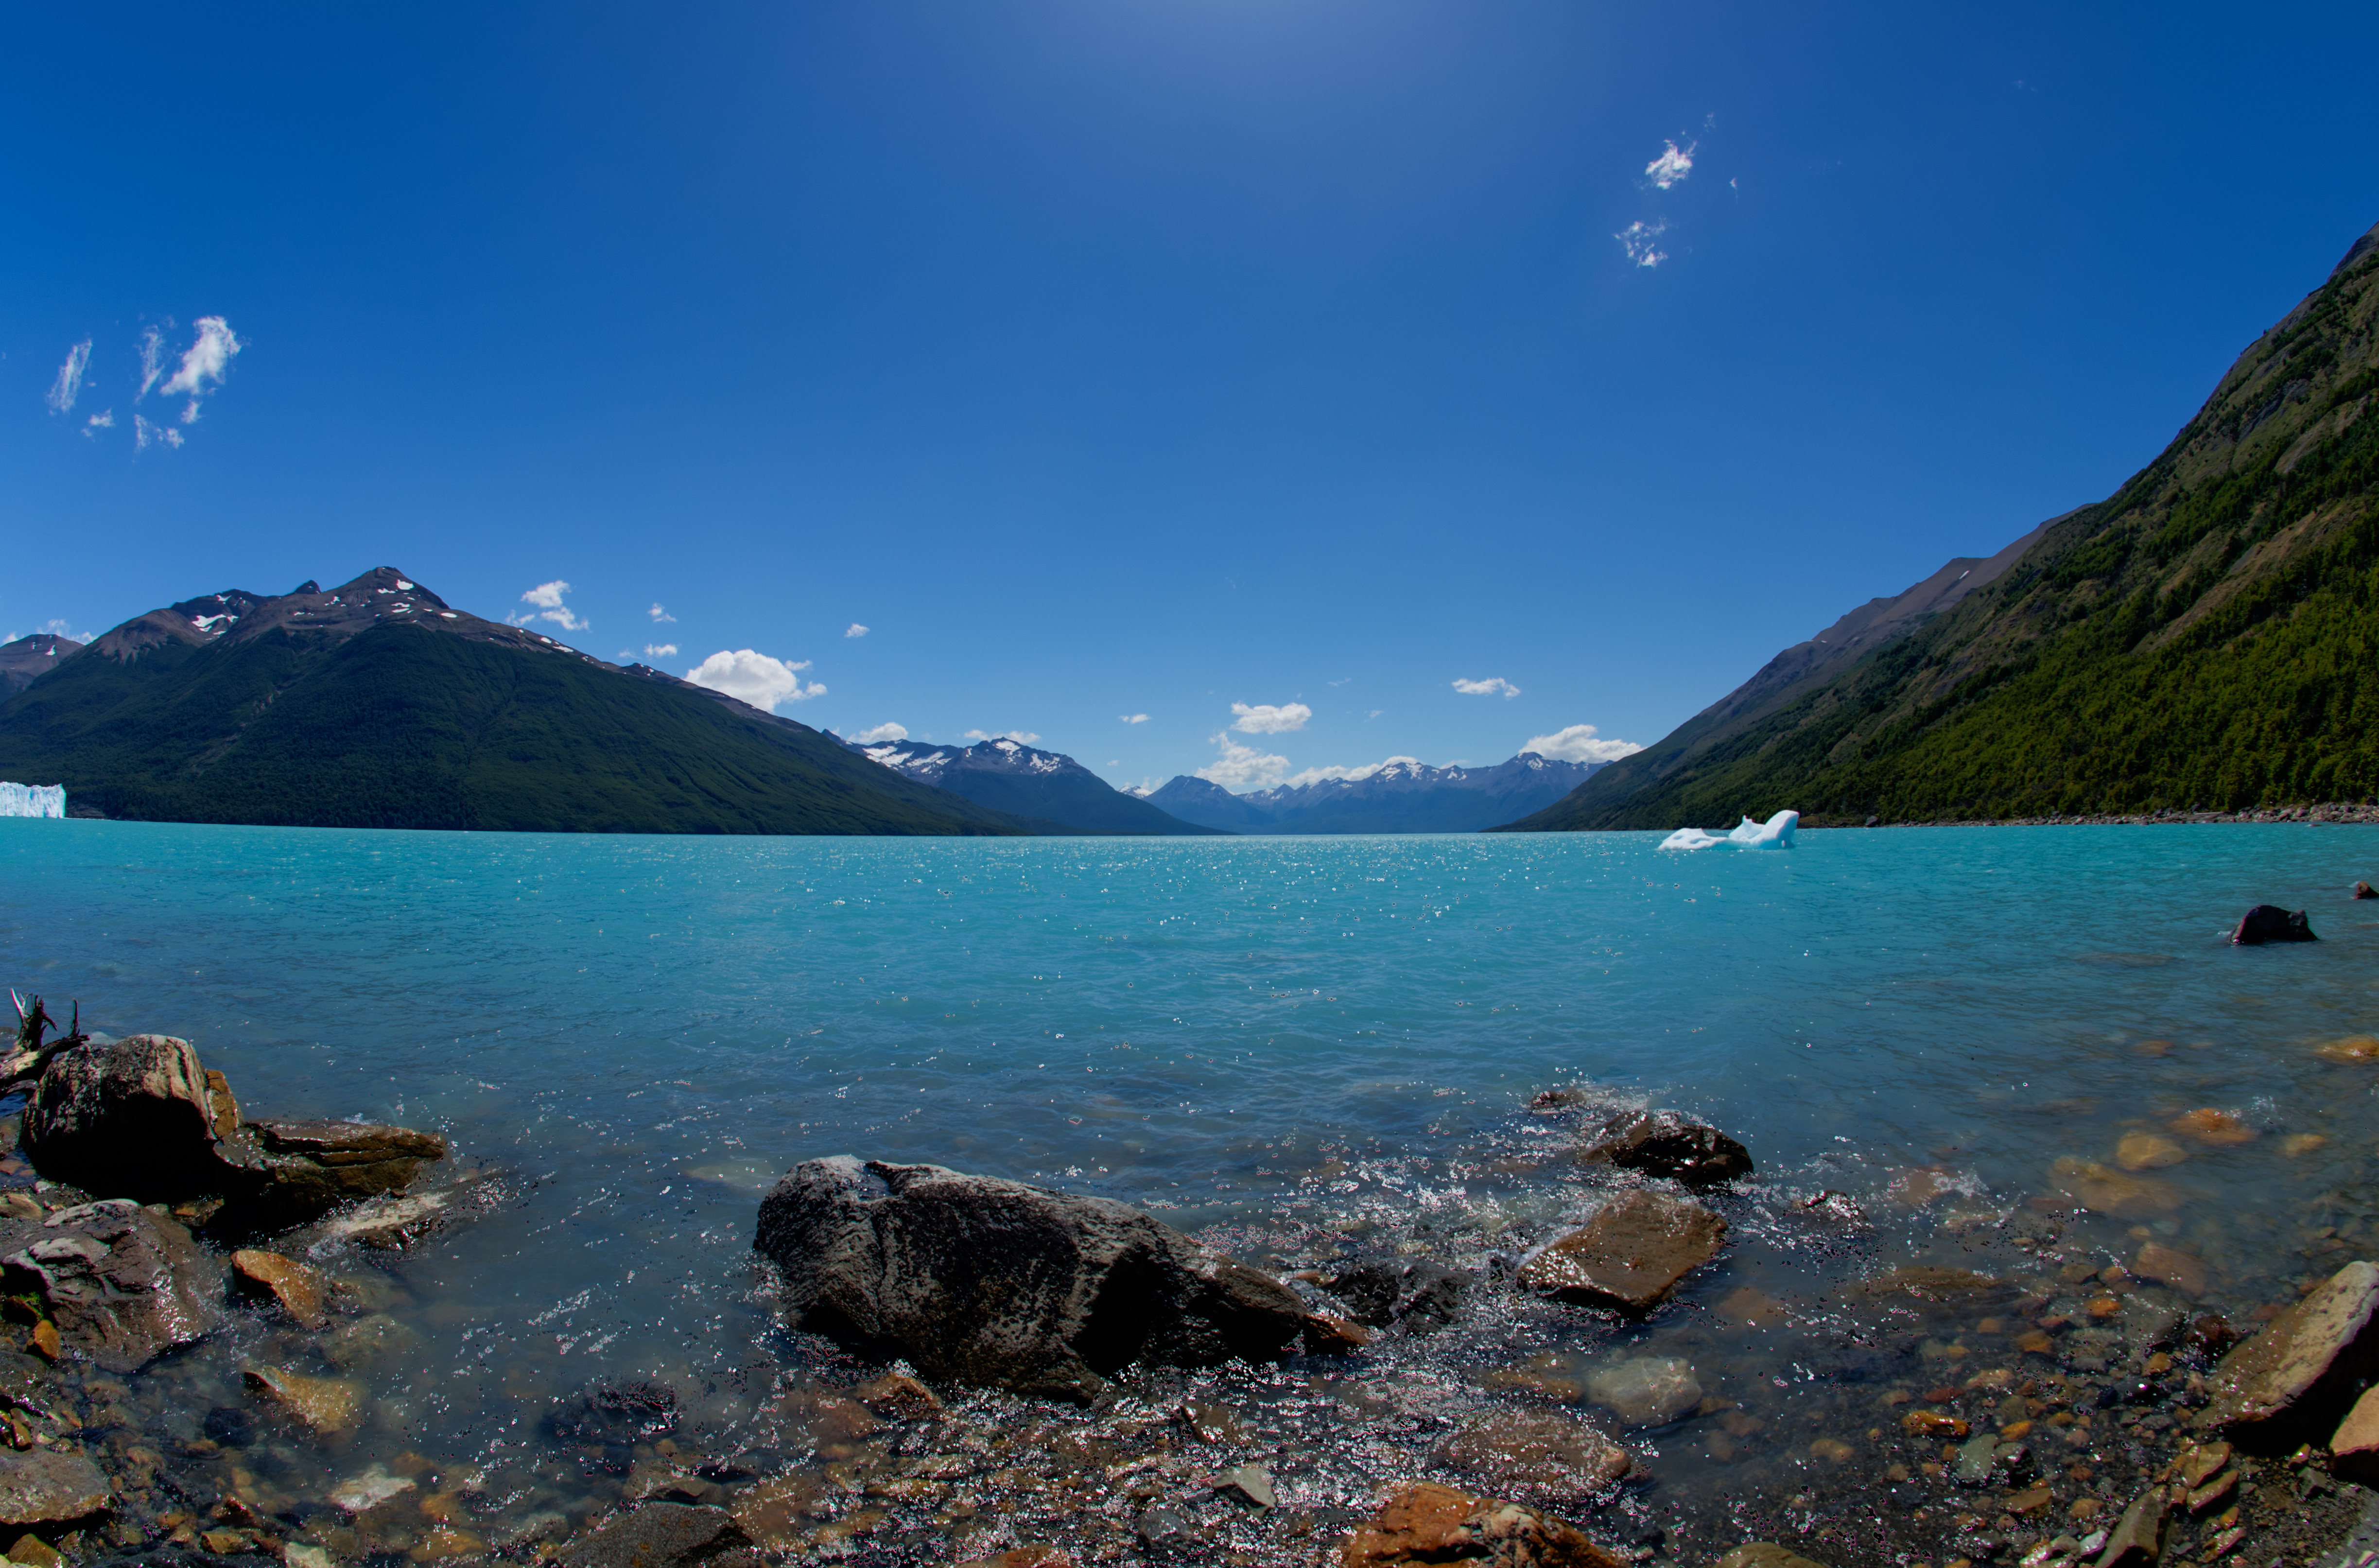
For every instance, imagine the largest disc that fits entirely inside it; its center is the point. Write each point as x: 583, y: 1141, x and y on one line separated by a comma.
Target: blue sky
x: 1140, y: 356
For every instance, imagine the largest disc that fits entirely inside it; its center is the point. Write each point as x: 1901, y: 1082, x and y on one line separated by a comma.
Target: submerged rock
x: 617, y: 1410
x: 1399, y: 1291
x: 1662, y: 1143
x: 977, y: 1279
x: 1646, y: 1390
x: 1630, y: 1255
x: 1765, y: 1555
x: 50, y: 1489
x: 122, y: 1285
x: 1429, y: 1523
x: 658, y: 1534
x: 321, y: 1405
x: 2269, y: 923
x: 2293, y: 1383
x: 1535, y: 1449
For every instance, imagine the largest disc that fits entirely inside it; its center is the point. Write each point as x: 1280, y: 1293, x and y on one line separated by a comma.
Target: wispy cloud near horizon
x: 1487, y: 688
x: 1579, y: 743
x: 1022, y: 737
x: 880, y: 734
x: 1241, y: 768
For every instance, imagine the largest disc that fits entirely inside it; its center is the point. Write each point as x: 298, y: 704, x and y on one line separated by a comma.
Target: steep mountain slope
x: 1011, y: 777
x: 2206, y: 636
x: 376, y: 705
x: 1402, y: 796
x: 28, y: 658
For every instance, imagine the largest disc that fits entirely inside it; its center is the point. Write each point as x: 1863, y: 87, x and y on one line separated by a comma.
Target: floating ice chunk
x: 32, y: 799
x: 1776, y: 833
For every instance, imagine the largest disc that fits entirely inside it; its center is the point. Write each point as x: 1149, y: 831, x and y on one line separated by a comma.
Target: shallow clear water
x: 1280, y: 1038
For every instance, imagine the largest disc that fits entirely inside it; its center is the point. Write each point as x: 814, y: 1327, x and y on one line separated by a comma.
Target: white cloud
x: 1638, y: 237
x: 1672, y: 167
x: 754, y: 678
x: 1265, y: 720
x: 1133, y: 718
x: 856, y: 630
x: 1022, y: 737
x: 105, y: 421
x: 69, y: 386
x: 1241, y: 768
x: 660, y: 650
x: 659, y: 615
x: 1316, y: 774
x: 209, y: 355
x: 145, y: 435
x: 153, y: 360
x: 1579, y: 744
x: 1487, y: 688
x: 546, y: 597
x: 881, y: 733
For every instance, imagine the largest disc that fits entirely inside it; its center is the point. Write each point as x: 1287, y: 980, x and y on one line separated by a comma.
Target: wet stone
x: 1662, y: 1143
x: 1647, y: 1389
x: 1630, y: 1255
x: 1535, y: 1449
x: 658, y: 1534
x: 616, y: 1410
x: 298, y: 1290
x: 50, y: 1489
x: 322, y: 1404
x: 899, y: 1397
x: 1429, y: 1523
x: 2293, y: 1383
x: 1412, y: 1294
x: 2137, y: 1539
x: 1765, y: 1555
x: 122, y: 1285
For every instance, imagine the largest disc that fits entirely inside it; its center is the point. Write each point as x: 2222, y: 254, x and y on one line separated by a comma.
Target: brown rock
x: 1754, y: 1308
x: 2217, y: 1128
x: 2207, y: 1458
x: 900, y: 1397
x: 658, y: 1534
x: 2110, y: 1191
x: 300, y: 1291
x: 44, y: 1341
x: 1933, y: 1281
x: 1765, y: 1555
x: 2352, y: 1048
x: 1022, y: 1557
x: 134, y: 1119
x: 1662, y: 1143
x: 122, y: 1285
x: 1435, y: 1524
x: 325, y: 1405
x: 2138, y: 1537
x: 32, y: 1551
x: 2364, y: 890
x: 2354, y: 1447
x: 2171, y: 1266
x: 1933, y: 1424
x: 2148, y: 1151
x: 2293, y: 1383
x: 308, y: 1169
x: 50, y: 1489
x: 1630, y: 1255
x: 1535, y: 1449
x: 1328, y: 1335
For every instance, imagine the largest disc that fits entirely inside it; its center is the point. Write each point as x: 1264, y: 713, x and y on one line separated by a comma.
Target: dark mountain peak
x: 308, y: 586
x: 2357, y: 251
x: 27, y: 659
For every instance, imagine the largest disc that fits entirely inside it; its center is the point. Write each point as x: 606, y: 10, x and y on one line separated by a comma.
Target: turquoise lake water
x: 1272, y: 1036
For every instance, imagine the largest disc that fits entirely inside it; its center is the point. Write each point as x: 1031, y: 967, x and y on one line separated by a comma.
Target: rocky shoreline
x: 2334, y: 811
x: 979, y: 1370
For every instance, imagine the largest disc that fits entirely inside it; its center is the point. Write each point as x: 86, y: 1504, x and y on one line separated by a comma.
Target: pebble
x: 299, y: 1291
x: 1646, y: 1390
x: 324, y: 1404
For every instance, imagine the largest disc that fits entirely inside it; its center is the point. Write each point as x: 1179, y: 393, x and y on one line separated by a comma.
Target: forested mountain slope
x: 2206, y: 636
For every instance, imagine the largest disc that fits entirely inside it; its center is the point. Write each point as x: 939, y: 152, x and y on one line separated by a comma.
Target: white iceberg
x: 32, y: 799
x: 1776, y: 833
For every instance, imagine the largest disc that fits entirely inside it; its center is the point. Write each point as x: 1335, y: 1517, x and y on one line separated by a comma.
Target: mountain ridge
x: 2201, y: 638
x: 1007, y: 775
x: 1402, y: 795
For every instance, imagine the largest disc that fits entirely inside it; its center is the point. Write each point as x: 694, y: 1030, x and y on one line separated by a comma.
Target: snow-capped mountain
x: 28, y: 659
x: 1402, y: 796
x: 1011, y: 777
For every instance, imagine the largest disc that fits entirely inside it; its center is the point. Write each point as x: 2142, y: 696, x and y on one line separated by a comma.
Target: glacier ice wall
x: 1776, y: 833
x: 32, y: 799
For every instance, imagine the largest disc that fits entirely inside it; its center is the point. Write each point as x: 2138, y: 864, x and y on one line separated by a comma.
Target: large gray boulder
x: 982, y: 1281
x: 122, y: 1285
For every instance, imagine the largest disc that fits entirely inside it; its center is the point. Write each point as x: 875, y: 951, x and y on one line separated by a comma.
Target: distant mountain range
x: 375, y: 704
x: 2202, y: 638
x: 1404, y: 796
x: 1009, y: 775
